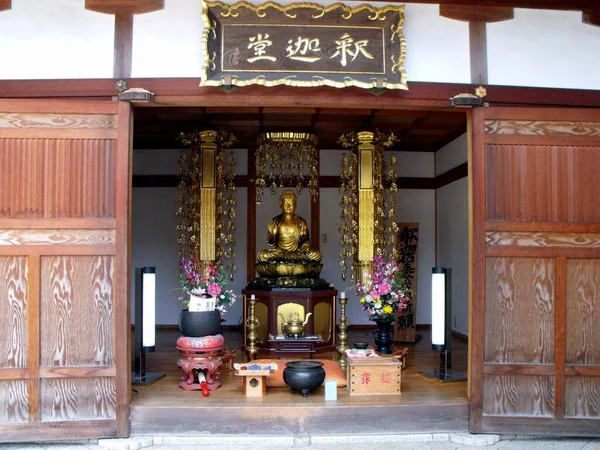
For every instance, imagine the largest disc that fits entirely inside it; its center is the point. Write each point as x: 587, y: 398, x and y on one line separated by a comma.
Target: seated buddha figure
x: 287, y: 236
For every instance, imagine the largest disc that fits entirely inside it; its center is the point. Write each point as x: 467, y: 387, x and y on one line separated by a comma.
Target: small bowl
x: 361, y: 345
x: 360, y: 351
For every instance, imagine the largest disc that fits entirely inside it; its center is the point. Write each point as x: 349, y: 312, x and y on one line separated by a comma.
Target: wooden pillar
x: 123, y: 45
x: 251, y: 216
x: 478, y: 17
x: 123, y: 10
x: 5, y: 5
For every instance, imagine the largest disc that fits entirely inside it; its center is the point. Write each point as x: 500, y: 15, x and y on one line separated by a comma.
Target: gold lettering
x: 297, y: 50
x: 346, y: 46
x: 259, y: 43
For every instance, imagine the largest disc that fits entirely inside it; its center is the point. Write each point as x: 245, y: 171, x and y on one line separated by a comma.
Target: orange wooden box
x: 374, y: 376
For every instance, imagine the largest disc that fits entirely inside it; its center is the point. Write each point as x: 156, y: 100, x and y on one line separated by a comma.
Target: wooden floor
x: 425, y: 405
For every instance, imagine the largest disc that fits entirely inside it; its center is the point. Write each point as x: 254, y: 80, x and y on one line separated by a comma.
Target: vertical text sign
x: 408, y: 243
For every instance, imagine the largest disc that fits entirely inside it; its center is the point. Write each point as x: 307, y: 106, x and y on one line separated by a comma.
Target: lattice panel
x: 57, y: 178
x: 519, y: 316
x: 77, y: 311
x: 542, y: 183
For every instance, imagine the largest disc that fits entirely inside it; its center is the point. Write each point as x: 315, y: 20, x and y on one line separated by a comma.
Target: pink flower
x: 385, y: 288
x: 214, y: 289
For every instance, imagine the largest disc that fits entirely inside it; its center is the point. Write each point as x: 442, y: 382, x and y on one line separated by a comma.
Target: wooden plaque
x: 303, y: 44
x: 408, y: 243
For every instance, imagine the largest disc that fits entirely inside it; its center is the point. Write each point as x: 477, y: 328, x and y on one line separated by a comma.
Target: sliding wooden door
x: 535, y: 334
x: 64, y: 307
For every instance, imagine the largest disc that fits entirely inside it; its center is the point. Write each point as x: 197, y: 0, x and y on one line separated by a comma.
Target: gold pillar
x: 208, y: 195
x: 366, y: 203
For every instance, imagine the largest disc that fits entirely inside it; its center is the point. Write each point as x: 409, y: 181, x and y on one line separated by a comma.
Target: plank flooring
x: 424, y: 405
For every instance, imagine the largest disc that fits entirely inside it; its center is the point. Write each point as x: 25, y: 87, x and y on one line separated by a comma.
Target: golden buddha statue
x: 289, y: 252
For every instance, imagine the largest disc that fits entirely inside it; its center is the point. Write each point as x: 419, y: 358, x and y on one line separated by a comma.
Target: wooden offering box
x: 254, y: 382
x: 374, y: 376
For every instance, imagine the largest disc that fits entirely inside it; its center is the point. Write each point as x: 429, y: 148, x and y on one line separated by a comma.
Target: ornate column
x: 207, y: 198
x: 366, y: 203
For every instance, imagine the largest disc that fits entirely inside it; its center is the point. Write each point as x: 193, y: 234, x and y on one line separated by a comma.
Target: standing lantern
x: 145, y: 326
x: 441, y: 330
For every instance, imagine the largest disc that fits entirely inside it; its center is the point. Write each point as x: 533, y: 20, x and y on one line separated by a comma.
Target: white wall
x: 55, y: 39
x: 544, y: 48
x: 43, y: 39
x: 452, y: 223
x: 167, y: 43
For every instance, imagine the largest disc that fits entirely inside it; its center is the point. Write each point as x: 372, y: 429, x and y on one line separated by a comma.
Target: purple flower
x: 385, y: 288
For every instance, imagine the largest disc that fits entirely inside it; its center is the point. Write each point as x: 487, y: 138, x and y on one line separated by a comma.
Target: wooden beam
x: 562, y: 5
x: 124, y: 6
x: 591, y: 17
x: 478, y: 52
x: 472, y: 13
x: 179, y: 91
x: 4, y: 5
x: 123, y: 45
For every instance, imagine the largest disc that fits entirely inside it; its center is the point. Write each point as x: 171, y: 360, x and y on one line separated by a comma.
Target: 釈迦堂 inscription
x: 303, y: 45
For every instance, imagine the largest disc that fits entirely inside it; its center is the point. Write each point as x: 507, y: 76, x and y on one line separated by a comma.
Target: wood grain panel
x: 60, y: 121
x: 542, y: 183
x: 13, y: 311
x: 518, y: 395
x: 77, y: 311
x: 57, y: 237
x: 70, y: 224
x: 21, y: 166
x: 80, y: 181
x: 582, y: 397
x: 542, y: 128
x: 519, y: 314
x: 14, y: 401
x: 583, y: 311
x: 537, y: 239
x: 66, y: 399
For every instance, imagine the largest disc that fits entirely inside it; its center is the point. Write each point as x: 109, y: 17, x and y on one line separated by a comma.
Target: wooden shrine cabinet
x: 272, y: 305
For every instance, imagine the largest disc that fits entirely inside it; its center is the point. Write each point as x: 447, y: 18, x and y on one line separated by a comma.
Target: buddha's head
x: 287, y: 201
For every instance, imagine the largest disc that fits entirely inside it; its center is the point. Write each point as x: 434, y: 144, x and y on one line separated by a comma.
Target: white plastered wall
x: 41, y: 39
x: 544, y: 48
x: 452, y: 224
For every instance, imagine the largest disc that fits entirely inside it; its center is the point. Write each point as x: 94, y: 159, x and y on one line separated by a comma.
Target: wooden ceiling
x: 418, y: 130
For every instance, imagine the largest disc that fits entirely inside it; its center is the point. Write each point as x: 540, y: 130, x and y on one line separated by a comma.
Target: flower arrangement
x: 205, y: 281
x: 385, y: 291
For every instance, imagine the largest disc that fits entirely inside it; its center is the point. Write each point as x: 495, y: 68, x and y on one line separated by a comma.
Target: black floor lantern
x: 145, y: 327
x: 441, y: 327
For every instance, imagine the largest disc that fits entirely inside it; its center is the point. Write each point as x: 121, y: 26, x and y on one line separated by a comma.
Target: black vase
x: 199, y: 323
x: 384, y: 336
